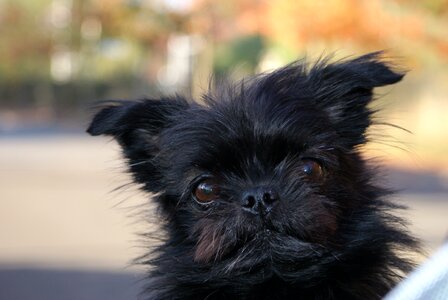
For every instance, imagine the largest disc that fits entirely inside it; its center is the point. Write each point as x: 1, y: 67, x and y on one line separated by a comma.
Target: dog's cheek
x: 325, y: 227
x: 211, y: 240
x: 315, y: 221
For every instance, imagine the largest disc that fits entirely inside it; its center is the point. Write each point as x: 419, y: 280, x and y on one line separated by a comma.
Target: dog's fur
x: 296, y: 133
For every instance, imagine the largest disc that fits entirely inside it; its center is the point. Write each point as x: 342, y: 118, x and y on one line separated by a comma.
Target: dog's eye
x: 312, y: 169
x: 206, y: 191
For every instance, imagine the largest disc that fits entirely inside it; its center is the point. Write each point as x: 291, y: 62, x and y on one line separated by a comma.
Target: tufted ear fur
x: 344, y: 89
x: 136, y: 125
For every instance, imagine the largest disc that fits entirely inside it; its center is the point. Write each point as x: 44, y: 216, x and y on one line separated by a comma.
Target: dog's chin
x: 269, y: 254
x: 270, y: 248
x: 272, y: 237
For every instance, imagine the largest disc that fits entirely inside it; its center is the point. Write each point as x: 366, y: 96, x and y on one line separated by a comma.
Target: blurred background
x: 64, y: 232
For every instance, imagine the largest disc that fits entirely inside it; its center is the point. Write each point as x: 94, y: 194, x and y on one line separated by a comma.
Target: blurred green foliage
x: 244, y: 52
x: 60, y: 53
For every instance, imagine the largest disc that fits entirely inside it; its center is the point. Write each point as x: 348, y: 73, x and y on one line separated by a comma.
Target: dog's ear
x: 343, y: 90
x: 136, y: 125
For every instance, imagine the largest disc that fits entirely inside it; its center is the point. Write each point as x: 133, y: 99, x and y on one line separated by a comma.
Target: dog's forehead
x: 264, y: 119
x: 251, y: 121
x: 231, y: 133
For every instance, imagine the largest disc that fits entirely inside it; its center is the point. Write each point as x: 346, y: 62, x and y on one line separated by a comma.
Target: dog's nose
x: 259, y: 200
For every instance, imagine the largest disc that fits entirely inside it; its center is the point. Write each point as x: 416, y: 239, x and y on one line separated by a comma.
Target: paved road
x: 29, y: 284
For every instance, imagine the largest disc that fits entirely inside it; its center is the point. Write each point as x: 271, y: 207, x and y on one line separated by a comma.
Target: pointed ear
x: 136, y: 125
x: 344, y: 90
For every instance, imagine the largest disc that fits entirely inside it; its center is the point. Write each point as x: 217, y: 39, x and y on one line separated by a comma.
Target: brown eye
x: 312, y: 169
x: 206, y: 191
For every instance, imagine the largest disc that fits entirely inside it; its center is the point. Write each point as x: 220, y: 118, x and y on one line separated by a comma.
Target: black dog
x: 262, y: 187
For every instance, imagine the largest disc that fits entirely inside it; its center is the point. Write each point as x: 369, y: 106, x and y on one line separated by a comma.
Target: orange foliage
x: 368, y: 23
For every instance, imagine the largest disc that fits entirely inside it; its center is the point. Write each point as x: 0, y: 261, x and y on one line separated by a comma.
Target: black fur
x: 331, y: 236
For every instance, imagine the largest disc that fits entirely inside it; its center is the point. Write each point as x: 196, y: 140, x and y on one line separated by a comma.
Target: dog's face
x: 264, y: 177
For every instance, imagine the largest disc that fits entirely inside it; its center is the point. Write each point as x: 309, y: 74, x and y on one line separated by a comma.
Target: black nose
x: 259, y: 200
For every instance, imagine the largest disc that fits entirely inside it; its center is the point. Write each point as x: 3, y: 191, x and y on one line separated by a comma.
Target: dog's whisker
x: 139, y: 163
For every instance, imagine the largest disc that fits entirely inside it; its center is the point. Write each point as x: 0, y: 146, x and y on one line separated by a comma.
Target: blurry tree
x: 79, y: 50
x: 25, y: 44
x: 416, y: 29
x: 244, y: 52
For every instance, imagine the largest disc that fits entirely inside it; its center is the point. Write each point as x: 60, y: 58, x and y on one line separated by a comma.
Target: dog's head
x: 263, y: 176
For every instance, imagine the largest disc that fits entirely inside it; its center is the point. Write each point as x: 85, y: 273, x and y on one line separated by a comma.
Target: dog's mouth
x: 269, y: 254
x: 270, y: 242
x: 262, y: 242
x: 268, y: 231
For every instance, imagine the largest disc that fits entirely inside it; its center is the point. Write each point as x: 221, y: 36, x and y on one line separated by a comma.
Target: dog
x: 262, y: 188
